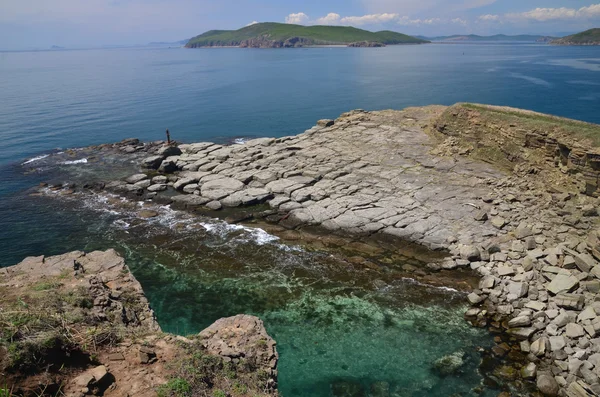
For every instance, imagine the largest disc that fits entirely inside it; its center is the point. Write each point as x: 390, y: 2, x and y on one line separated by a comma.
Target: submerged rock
x: 450, y: 364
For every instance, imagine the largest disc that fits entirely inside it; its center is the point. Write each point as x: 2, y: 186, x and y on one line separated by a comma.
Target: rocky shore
x: 511, y: 194
x: 79, y: 324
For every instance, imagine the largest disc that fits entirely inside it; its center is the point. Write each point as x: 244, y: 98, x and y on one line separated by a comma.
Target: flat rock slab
x: 368, y: 172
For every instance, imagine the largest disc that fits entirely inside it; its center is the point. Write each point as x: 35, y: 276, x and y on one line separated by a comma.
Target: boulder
x: 470, y: 253
x: 243, y: 336
x: 325, y: 123
x: 546, y: 384
x: 168, y: 166
x: 169, y: 150
x: 152, y: 162
x: 450, y: 364
x: 136, y: 178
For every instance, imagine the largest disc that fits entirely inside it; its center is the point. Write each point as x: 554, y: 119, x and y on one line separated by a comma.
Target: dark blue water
x: 327, y: 331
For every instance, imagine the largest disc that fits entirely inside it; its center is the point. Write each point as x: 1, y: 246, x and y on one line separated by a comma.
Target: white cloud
x: 330, y: 19
x: 554, y: 14
x: 297, y: 19
x: 252, y: 23
x: 371, y: 19
x: 489, y: 17
x: 459, y: 21
x: 406, y: 21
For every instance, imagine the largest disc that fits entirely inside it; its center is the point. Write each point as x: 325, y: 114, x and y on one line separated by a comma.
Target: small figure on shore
x: 168, y: 137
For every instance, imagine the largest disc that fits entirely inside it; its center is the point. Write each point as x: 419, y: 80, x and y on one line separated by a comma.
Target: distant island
x: 283, y: 35
x: 495, y: 38
x: 589, y: 37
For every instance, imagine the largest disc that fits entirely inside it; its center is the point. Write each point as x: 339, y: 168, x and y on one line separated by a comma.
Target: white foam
x: 80, y: 161
x: 254, y: 234
x: 240, y: 141
x: 413, y: 281
x: 33, y: 159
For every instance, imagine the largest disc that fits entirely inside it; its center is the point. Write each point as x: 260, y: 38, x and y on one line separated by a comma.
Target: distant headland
x: 589, y: 37
x: 282, y: 35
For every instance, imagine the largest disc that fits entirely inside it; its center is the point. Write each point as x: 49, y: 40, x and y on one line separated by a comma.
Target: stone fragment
x: 325, y: 123
x: 574, y: 331
x: 584, y: 262
x: 152, y: 162
x: 562, y: 283
x: 521, y: 333
x: 481, y: 216
x: 535, y: 305
x: 470, y: 253
x: 159, y: 187
x: 529, y: 371
x: 557, y: 343
x: 506, y: 271
x: 474, y: 298
x: 146, y: 214
x: 580, y: 389
x: 214, y: 205
x: 136, y: 178
x: 521, y: 321
x: 539, y: 346
x: 487, y: 282
x: 569, y: 301
x: 498, y: 222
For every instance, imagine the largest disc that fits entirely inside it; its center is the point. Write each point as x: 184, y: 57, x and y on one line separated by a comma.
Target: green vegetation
x: 308, y: 35
x: 589, y: 37
x: 541, y: 122
x: 201, y: 374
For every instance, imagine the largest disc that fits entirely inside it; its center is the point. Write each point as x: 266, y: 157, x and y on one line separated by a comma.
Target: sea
x: 338, y: 327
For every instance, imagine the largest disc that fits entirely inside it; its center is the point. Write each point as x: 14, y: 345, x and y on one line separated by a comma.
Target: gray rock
x: 169, y: 150
x: 557, y: 343
x: 136, y: 178
x: 470, y: 253
x: 498, y: 222
x: 521, y: 321
x: 562, y: 283
x: 574, y: 331
x: 487, y: 282
x: 569, y: 301
x: 214, y: 205
x: 474, y: 298
x: 152, y: 162
x: 539, y: 347
x: 529, y: 371
x: 521, y: 333
x: 547, y: 385
x: 220, y: 188
x: 158, y: 187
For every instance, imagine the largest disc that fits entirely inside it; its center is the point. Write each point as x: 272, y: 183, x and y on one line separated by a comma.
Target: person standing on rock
x: 168, y: 137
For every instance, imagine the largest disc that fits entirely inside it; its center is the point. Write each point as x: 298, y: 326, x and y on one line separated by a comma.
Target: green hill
x: 589, y: 37
x: 279, y: 35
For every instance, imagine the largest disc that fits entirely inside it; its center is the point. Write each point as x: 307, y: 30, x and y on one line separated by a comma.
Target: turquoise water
x: 337, y: 326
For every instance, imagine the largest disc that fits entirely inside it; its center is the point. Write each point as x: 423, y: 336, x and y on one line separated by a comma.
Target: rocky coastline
x: 79, y: 324
x: 510, y: 194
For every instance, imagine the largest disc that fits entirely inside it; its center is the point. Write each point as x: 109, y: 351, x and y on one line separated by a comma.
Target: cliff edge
x: 79, y: 324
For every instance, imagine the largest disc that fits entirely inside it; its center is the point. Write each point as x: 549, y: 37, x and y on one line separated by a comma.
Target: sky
x: 26, y: 24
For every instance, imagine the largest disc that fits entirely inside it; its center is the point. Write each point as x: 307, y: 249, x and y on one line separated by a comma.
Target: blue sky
x: 81, y: 23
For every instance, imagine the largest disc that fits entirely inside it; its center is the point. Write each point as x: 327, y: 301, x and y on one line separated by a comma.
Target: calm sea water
x: 329, y: 329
